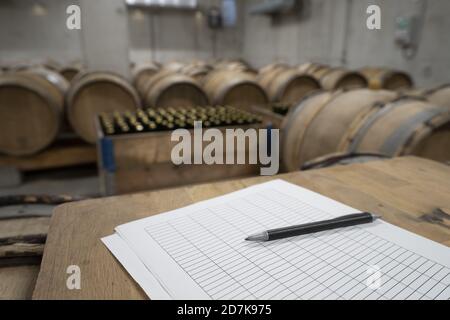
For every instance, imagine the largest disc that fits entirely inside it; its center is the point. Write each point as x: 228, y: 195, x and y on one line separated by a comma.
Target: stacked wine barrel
x: 197, y: 83
x: 333, y: 113
x: 234, y: 87
x: 234, y: 65
x: 286, y: 84
x: 234, y: 82
x: 364, y: 121
x: 333, y: 78
x: 168, y: 86
x: 389, y: 79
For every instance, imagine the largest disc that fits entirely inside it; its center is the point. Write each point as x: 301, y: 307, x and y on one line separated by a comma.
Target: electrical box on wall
x: 214, y: 18
x: 275, y: 7
x: 164, y: 4
x: 406, y: 33
x: 229, y: 13
x: 223, y: 17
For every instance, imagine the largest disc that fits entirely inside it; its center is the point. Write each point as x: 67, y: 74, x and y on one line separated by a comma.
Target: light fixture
x: 38, y: 10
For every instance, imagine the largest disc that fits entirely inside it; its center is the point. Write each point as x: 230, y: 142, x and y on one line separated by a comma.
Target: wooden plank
x: 18, y: 282
x: 403, y: 190
x: 23, y: 228
x: 54, y: 157
x: 22, y: 240
x: 18, y: 253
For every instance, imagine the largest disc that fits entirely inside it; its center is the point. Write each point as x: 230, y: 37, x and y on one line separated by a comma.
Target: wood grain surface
x: 409, y: 192
x: 17, y: 282
x: 54, y: 157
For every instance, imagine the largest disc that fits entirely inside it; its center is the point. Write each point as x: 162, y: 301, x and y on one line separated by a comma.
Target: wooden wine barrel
x: 141, y: 73
x: 70, y: 71
x: 31, y: 111
x: 20, y: 66
x: 341, y: 159
x: 407, y: 126
x: 51, y: 65
x: 287, y: 85
x: 384, y: 78
x: 340, y: 78
x: 239, y: 89
x: 168, y: 89
x: 318, y: 125
x: 96, y: 92
x: 273, y: 66
x: 439, y: 96
x: 332, y: 78
x: 198, y: 71
x: 51, y: 76
x: 234, y: 65
x: 312, y: 67
x: 174, y: 66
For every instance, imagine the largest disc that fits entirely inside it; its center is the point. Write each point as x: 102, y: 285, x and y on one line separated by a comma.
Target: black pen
x: 291, y: 231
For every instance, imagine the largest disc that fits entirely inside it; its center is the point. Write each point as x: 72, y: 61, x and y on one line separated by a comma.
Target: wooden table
x: 406, y: 191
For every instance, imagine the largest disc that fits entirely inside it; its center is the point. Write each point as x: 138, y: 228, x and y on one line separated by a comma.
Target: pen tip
x: 257, y: 237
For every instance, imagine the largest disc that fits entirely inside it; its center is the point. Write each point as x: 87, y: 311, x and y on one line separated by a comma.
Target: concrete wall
x: 182, y: 35
x: 335, y: 32
x: 105, y: 35
x: 27, y: 33
x: 328, y: 31
x: 35, y: 33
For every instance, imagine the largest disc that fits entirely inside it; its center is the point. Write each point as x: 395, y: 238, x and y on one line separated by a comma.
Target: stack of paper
x: 199, y: 252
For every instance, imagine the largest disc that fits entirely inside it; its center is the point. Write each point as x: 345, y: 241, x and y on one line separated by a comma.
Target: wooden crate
x: 137, y: 162
x: 270, y: 118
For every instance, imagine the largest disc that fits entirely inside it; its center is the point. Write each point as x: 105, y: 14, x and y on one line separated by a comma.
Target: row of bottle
x: 148, y: 120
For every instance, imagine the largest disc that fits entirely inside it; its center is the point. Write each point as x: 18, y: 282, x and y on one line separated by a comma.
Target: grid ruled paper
x: 203, y: 248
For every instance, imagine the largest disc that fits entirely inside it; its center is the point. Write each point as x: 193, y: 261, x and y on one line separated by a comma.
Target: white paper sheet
x: 199, y: 252
x: 130, y: 261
